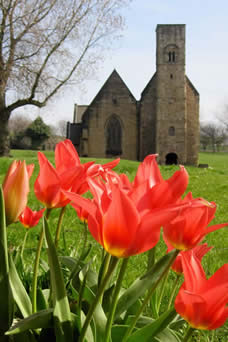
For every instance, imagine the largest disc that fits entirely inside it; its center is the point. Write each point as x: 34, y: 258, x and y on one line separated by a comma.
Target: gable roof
x: 192, y: 86
x: 109, y: 80
x: 113, y: 75
x: 145, y: 90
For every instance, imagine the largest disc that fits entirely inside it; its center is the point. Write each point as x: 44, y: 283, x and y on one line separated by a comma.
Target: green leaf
x: 27, y: 336
x: 42, y: 303
x: 118, y: 332
x: 41, y: 319
x: 167, y: 335
x: 19, y: 293
x: 6, y: 298
x: 62, y: 315
x: 99, y: 316
x: 144, y: 283
x: 146, y: 333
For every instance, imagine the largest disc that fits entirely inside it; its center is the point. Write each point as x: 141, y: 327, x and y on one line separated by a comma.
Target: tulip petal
x: 16, y: 189
x: 82, y: 202
x: 148, y: 233
x: 120, y: 224
x: 66, y: 156
x: 166, y: 192
x: 148, y: 170
x: 47, y: 184
x: 192, y: 270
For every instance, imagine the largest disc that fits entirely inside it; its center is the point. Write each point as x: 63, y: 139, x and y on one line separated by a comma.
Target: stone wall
x: 114, y: 99
x: 171, y: 106
x: 147, y: 121
x: 192, y: 102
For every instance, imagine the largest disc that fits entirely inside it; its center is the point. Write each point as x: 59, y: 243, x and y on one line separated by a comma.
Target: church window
x: 171, y: 53
x: 113, y: 137
x: 170, y: 56
x: 171, y: 131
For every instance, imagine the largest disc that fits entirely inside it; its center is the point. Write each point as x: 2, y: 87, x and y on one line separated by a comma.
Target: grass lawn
x: 210, y: 183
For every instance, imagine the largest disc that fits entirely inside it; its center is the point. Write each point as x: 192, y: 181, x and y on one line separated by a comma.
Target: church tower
x: 171, y: 113
x: 164, y: 121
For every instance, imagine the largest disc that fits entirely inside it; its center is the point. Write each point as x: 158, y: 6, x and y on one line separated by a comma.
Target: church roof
x: 113, y: 75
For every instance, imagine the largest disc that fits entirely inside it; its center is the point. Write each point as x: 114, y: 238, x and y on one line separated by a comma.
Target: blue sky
x: 133, y: 56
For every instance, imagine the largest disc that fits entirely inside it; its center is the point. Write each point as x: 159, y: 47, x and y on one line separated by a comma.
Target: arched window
x: 171, y: 131
x: 170, y: 53
x: 113, y: 137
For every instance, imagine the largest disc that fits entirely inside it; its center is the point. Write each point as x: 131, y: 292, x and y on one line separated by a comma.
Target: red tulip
x: 150, y: 190
x: 66, y: 158
x: 199, y: 251
x: 16, y: 189
x: 191, y: 225
x: 69, y: 175
x: 30, y: 218
x: 117, y: 224
x: 47, y: 186
x: 202, y: 302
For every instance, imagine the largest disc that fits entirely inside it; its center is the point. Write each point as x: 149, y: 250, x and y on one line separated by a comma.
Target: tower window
x: 171, y: 131
x: 171, y: 53
x: 170, y: 56
x: 171, y: 76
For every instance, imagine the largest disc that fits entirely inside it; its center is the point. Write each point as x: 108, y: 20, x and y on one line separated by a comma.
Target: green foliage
x: 38, y: 131
x: 210, y: 183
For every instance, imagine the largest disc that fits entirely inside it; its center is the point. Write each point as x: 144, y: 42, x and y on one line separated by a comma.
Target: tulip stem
x: 101, y: 290
x: 115, y: 299
x: 188, y: 334
x: 23, y: 244
x: 174, y: 290
x: 160, y: 295
x: 58, y: 230
x: 147, y: 298
x: 36, y: 266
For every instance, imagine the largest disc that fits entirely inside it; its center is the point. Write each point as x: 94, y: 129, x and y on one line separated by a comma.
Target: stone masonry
x: 164, y: 121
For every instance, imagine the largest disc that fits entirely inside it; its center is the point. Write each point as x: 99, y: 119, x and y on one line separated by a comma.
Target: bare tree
x: 45, y: 44
x: 222, y: 117
x: 18, y: 123
x: 212, y: 134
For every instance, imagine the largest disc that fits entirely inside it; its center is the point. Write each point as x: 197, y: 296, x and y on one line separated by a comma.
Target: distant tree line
x: 213, y: 136
x: 35, y: 135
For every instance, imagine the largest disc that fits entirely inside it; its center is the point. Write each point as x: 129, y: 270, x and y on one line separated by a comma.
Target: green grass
x: 210, y: 183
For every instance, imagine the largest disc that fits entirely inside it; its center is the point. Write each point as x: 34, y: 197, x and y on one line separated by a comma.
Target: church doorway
x: 171, y: 159
x: 113, y: 137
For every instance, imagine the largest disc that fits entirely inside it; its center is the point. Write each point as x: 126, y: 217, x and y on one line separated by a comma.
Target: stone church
x: 164, y: 121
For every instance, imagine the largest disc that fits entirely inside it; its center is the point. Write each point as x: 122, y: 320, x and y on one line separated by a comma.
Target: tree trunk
x: 4, y: 134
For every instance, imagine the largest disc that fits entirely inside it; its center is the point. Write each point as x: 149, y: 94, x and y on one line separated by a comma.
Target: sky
x: 133, y: 56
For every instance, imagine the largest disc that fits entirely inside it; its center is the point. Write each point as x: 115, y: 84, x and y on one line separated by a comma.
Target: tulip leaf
x: 98, y: 315
x: 62, y: 315
x: 19, y: 293
x: 6, y: 298
x: 42, y: 303
x: 144, y: 283
x: 41, y: 319
x: 151, y: 330
x: 118, y: 332
x: 27, y: 336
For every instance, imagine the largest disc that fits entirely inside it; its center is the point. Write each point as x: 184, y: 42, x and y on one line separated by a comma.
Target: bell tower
x: 171, y: 113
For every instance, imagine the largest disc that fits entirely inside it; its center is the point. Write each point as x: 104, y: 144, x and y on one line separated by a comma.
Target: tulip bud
x: 16, y: 189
